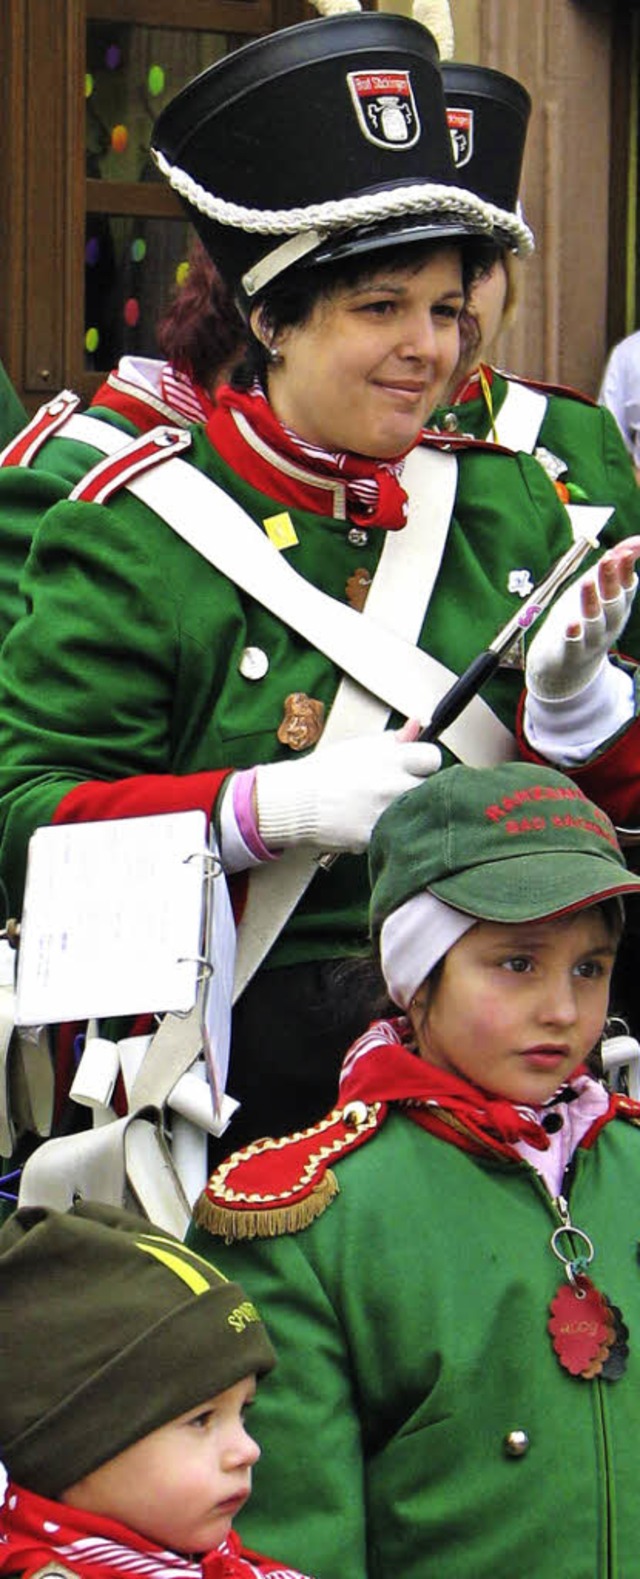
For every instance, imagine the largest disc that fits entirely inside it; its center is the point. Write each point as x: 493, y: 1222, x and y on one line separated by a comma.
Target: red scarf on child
x: 380, y: 1067
x: 374, y: 495
x: 35, y: 1531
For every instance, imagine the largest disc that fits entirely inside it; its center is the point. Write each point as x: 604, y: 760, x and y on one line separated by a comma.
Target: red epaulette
x: 549, y: 389
x: 278, y: 1185
x: 453, y: 442
x: 21, y: 450
x: 115, y: 471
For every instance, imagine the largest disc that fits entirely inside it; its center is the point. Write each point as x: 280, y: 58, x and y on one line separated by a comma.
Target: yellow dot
x: 182, y: 272
x: 91, y: 340
x: 88, y: 85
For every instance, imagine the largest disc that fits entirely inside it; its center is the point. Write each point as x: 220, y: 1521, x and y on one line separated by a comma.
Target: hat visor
x: 534, y: 887
x: 395, y: 233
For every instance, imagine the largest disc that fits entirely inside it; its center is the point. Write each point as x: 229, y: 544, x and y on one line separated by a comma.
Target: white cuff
x: 570, y: 730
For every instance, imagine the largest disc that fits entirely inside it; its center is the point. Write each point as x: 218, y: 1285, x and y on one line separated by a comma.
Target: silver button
x: 516, y: 1444
x: 450, y: 423
x: 357, y: 537
x: 254, y: 663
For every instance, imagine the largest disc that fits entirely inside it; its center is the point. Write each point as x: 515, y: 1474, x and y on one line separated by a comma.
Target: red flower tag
x: 582, y: 1327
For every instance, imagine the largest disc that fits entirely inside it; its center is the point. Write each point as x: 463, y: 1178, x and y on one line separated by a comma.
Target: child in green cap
x: 451, y: 1257
x: 127, y: 1365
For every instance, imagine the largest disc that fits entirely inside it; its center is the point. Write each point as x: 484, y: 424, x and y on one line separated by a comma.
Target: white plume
x: 436, y: 16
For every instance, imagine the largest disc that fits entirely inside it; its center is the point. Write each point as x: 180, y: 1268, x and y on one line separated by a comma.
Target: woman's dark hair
x: 289, y: 301
x: 201, y: 331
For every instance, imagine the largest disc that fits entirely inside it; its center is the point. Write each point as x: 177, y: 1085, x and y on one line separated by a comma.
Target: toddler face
x: 517, y: 1008
x: 182, y: 1485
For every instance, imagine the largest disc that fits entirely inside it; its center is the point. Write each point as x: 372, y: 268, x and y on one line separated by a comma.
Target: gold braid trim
x: 229, y: 1223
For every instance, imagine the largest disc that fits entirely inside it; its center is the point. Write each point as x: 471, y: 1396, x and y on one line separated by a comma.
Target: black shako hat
x: 488, y: 115
x: 321, y: 140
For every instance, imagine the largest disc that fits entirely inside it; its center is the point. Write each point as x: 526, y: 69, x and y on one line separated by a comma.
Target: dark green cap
x: 109, y: 1328
x: 511, y: 843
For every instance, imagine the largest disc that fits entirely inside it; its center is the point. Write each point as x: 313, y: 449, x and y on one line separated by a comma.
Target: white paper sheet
x: 112, y: 918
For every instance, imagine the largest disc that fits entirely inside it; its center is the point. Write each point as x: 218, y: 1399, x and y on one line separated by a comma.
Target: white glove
x: 332, y: 798
x: 561, y: 666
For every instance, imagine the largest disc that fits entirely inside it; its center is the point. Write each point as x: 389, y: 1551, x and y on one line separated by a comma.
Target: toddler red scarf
x: 374, y: 494
x: 35, y: 1531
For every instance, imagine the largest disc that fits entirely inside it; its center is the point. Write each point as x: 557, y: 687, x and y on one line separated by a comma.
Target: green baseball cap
x: 511, y: 843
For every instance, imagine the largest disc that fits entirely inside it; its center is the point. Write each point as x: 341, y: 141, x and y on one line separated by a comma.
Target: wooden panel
x: 216, y: 16
x: 146, y: 198
x: 13, y: 54
x: 44, y: 212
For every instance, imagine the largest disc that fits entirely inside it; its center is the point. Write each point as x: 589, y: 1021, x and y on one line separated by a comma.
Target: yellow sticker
x: 280, y: 530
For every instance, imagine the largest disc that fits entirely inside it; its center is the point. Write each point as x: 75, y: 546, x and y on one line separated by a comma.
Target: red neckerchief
x: 374, y: 494
x: 35, y: 1531
x: 380, y: 1067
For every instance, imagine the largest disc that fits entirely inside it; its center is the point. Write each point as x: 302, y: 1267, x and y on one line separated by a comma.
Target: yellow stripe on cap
x: 166, y: 1252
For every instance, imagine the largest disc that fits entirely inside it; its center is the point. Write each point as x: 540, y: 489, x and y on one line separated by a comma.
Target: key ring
x: 573, y: 1265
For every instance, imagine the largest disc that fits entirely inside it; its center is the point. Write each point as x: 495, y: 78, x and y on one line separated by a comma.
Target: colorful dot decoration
x: 156, y: 80
x: 91, y: 340
x: 182, y: 272
x: 92, y: 251
x: 131, y: 312
x: 119, y: 139
x: 89, y: 85
x: 113, y: 57
x: 138, y: 250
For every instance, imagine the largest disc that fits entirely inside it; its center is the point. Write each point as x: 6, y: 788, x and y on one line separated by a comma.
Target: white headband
x: 413, y: 939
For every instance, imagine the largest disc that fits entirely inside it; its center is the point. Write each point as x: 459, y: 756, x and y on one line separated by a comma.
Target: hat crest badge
x: 385, y: 107
x: 460, y: 123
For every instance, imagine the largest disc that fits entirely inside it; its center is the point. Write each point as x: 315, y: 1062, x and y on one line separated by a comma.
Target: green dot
x: 88, y: 85
x: 138, y: 249
x: 156, y: 80
x: 91, y: 340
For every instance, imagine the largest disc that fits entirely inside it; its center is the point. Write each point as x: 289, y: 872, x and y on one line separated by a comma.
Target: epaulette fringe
x: 269, y: 1222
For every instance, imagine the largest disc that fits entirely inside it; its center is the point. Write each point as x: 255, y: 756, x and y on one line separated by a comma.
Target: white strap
x: 398, y: 597
x: 520, y: 417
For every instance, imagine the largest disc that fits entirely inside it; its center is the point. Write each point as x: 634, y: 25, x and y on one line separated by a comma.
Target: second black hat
x: 488, y: 114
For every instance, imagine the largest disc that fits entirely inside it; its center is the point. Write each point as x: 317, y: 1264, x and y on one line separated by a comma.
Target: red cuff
x: 146, y: 796
x: 611, y: 779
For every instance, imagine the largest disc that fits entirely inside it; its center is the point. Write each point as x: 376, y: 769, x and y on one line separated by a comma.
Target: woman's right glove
x: 332, y: 798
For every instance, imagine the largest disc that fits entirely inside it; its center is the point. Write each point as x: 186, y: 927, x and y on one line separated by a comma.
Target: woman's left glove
x: 576, y: 698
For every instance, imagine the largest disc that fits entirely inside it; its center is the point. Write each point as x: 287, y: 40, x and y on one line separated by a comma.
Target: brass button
x: 516, y: 1444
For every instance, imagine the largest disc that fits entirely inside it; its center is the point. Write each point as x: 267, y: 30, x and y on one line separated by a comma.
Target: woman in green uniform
x: 357, y: 569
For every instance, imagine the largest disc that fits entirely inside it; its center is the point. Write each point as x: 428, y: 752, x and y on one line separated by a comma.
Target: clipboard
x: 113, y: 918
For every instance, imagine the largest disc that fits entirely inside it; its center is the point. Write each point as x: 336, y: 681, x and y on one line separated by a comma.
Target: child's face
x: 182, y: 1485
x: 517, y: 1008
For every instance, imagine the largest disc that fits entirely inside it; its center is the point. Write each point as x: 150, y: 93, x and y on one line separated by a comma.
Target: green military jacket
x: 418, y: 1421
x: 582, y: 437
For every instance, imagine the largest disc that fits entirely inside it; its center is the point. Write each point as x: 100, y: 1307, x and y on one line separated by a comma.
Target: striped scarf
x: 35, y: 1531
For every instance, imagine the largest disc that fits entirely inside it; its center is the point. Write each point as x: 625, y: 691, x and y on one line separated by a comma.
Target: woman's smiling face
x: 368, y: 366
